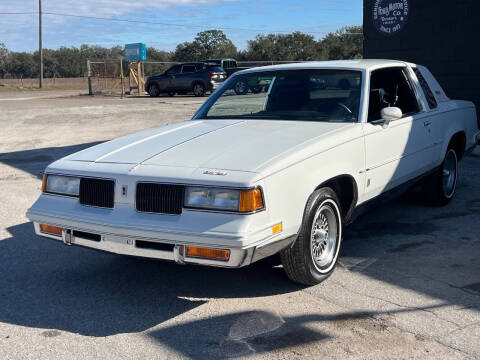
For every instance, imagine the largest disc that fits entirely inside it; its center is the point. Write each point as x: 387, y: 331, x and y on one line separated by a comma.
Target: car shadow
x: 35, y: 161
x: 430, y: 250
x: 46, y: 284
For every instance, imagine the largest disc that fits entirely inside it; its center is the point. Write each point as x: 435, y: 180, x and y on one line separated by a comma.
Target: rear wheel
x: 441, y: 185
x: 153, y: 90
x: 199, y: 89
x: 241, y: 88
x: 313, y: 256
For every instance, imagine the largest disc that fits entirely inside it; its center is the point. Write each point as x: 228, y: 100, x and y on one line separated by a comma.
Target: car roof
x: 192, y: 63
x: 361, y: 64
x: 220, y: 59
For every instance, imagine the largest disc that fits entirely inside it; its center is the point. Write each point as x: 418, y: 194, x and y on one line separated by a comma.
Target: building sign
x: 390, y: 16
x: 135, y: 52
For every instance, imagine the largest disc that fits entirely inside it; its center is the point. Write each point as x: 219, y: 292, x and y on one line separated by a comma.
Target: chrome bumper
x: 128, y: 245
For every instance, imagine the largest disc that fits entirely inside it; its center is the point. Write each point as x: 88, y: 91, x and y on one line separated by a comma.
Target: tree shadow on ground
x: 35, y: 161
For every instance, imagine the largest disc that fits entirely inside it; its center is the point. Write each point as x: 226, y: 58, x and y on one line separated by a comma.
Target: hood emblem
x: 215, y: 172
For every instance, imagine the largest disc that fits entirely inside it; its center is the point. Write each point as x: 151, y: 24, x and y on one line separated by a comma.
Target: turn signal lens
x: 49, y: 229
x: 250, y: 200
x: 207, y: 253
x: 44, y: 182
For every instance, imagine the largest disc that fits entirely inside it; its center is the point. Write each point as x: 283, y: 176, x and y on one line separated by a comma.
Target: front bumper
x: 158, y: 244
x: 215, y: 84
x: 127, y: 245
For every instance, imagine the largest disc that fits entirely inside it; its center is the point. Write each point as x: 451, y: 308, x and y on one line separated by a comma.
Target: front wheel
x: 313, y: 256
x: 153, y: 90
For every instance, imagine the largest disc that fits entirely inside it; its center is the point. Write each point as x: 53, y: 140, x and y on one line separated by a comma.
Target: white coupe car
x: 276, y: 171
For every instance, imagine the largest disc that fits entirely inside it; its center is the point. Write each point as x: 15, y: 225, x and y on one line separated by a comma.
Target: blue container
x: 135, y: 52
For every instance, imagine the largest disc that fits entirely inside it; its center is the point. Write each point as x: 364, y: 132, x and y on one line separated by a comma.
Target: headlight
x: 64, y: 185
x: 223, y: 199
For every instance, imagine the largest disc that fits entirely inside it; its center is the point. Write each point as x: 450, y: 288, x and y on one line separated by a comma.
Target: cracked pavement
x: 407, y: 286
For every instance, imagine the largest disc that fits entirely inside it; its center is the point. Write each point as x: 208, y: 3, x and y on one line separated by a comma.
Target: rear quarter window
x: 432, y: 102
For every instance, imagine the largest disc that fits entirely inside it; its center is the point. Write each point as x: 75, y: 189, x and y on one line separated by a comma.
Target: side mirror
x: 391, y: 114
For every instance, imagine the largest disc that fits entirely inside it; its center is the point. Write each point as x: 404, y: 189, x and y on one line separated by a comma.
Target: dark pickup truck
x: 196, y: 77
x: 228, y: 65
x: 241, y: 87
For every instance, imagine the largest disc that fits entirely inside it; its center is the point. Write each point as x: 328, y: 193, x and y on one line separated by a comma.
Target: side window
x: 391, y: 87
x: 173, y: 70
x: 432, y: 102
x: 188, y: 69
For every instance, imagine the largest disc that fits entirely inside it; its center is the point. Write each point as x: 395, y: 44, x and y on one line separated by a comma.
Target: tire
x: 171, y: 94
x: 199, y: 90
x: 323, y: 208
x: 153, y: 90
x: 441, y: 185
x: 241, y: 88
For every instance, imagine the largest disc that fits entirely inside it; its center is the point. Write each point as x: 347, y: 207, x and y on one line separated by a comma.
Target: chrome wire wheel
x: 449, y: 173
x: 324, y: 236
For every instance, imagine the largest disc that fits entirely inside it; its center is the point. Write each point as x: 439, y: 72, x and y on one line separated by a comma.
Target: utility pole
x: 40, y: 48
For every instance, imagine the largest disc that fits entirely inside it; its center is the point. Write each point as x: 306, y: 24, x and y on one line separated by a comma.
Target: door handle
x: 427, y: 123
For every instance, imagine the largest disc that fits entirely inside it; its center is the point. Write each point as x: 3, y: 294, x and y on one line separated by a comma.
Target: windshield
x: 306, y: 95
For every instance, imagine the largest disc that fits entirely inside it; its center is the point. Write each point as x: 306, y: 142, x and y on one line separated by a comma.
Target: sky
x: 165, y: 23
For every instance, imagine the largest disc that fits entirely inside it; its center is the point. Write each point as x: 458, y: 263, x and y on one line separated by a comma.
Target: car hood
x: 242, y: 145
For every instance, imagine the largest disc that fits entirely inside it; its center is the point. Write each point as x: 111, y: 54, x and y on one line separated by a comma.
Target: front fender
x: 288, y: 191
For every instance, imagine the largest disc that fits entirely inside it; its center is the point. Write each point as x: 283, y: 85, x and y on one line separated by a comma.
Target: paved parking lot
x: 408, y: 284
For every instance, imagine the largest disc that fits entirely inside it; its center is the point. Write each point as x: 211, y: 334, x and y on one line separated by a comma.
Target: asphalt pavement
x: 407, y: 286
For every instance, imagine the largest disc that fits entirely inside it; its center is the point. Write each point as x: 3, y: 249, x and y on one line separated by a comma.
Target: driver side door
x: 171, y: 78
x: 402, y: 149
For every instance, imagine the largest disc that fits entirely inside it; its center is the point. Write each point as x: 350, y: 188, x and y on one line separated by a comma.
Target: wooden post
x: 89, y: 77
x: 121, y: 78
x: 40, y: 47
x: 105, y: 74
x: 139, y: 77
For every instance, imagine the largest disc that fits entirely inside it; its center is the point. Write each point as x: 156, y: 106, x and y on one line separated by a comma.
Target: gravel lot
x: 408, y: 284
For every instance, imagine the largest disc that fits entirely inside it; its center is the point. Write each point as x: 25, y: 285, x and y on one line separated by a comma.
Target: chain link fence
x: 117, y: 77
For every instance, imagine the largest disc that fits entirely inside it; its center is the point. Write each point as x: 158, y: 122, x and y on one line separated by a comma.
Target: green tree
x: 187, y: 51
x: 207, y: 44
x: 215, y: 44
x: 21, y: 64
x: 296, y: 46
x: 346, y: 43
x: 3, y: 59
x: 158, y: 55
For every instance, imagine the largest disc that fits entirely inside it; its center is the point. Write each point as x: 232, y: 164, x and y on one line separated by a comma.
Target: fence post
x: 121, y: 77
x: 89, y: 75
